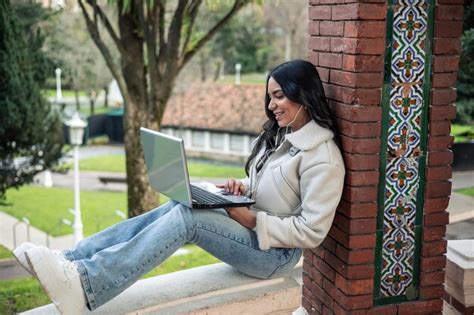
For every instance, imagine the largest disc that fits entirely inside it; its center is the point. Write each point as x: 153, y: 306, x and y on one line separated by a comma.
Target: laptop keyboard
x: 202, y: 196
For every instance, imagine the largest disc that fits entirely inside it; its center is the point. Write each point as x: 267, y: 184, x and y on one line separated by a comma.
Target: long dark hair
x: 300, y: 83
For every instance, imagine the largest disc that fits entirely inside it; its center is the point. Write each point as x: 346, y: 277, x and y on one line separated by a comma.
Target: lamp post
x: 76, y: 133
x: 59, y: 94
x: 238, y: 67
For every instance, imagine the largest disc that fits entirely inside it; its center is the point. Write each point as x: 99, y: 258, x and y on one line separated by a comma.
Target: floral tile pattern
x: 404, y: 147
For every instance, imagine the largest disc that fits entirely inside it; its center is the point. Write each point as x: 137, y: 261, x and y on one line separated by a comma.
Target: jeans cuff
x: 86, y: 285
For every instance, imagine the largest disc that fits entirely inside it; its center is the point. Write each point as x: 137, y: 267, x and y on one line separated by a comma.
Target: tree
x: 154, y: 41
x: 30, y: 133
x: 284, y: 17
x: 72, y: 50
x: 466, y: 62
x: 32, y: 18
x: 465, y: 84
x: 244, y: 40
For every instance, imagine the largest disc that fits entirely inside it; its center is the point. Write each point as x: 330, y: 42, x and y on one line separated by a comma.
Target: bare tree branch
x: 108, y: 26
x: 187, y: 55
x: 174, y: 38
x: 161, y: 22
x: 94, y: 31
x: 191, y: 14
x: 146, y: 23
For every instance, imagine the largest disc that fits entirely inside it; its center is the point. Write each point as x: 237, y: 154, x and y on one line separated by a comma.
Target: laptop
x: 167, y: 171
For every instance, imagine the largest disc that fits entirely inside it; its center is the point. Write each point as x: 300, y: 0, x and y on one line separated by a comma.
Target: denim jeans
x: 115, y: 258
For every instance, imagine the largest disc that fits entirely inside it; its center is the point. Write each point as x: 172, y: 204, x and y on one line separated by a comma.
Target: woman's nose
x: 271, y: 105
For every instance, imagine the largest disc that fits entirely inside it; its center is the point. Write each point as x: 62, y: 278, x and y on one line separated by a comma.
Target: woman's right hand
x: 233, y: 186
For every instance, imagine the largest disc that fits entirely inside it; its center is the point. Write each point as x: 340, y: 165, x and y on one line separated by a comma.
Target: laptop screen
x: 166, y: 165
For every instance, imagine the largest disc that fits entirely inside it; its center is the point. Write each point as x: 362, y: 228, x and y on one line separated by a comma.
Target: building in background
x: 216, y: 120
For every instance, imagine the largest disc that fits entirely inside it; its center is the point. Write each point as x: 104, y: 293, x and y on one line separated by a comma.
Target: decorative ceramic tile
x: 403, y: 150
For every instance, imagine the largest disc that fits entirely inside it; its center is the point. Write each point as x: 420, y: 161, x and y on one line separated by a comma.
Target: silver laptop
x: 167, y: 170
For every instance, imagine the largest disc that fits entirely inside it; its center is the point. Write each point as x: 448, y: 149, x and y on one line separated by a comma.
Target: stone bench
x: 212, y: 289
x: 112, y: 179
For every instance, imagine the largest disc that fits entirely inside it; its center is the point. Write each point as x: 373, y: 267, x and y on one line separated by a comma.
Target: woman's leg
x: 112, y: 270
x: 237, y: 246
x: 116, y: 234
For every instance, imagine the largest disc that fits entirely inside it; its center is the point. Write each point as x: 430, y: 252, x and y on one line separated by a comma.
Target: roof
x: 217, y: 106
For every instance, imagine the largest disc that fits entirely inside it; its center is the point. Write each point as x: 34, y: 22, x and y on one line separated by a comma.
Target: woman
x: 295, y: 175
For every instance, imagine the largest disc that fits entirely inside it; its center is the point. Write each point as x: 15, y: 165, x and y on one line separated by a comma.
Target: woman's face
x: 285, y: 111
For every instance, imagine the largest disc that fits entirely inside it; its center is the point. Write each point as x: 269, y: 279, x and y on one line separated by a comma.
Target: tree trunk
x: 106, y: 96
x: 141, y: 197
x: 202, y: 66
x: 91, y: 104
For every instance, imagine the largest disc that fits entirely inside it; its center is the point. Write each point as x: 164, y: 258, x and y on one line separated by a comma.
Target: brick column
x: 385, y: 251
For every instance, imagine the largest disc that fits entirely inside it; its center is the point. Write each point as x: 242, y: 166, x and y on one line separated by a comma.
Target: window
x: 179, y: 133
x: 236, y: 143
x: 198, y: 139
x: 217, y: 140
x: 167, y: 131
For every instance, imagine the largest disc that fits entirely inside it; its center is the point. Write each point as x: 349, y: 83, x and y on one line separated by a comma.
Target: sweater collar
x: 309, y: 136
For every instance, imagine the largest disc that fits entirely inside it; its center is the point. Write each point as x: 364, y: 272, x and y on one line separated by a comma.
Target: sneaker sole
x: 37, y: 265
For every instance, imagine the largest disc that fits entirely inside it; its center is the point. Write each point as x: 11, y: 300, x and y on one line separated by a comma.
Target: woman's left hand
x: 243, y: 215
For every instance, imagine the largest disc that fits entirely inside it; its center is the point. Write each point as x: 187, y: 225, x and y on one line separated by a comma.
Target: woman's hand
x: 243, y: 215
x: 233, y: 186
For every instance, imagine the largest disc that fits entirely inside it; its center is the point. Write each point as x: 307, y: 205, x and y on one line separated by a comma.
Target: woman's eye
x: 280, y: 96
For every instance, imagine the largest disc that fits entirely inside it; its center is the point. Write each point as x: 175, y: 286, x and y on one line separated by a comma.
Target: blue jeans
x: 115, y: 258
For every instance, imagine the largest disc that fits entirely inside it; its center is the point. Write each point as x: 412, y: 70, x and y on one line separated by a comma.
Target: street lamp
x: 76, y: 133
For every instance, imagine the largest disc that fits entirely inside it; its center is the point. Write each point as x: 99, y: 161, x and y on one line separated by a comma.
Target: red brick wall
x: 347, y: 42
x: 446, y: 50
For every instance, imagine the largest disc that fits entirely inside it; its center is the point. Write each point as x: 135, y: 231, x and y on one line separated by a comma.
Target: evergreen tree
x: 30, y: 133
x: 465, y: 84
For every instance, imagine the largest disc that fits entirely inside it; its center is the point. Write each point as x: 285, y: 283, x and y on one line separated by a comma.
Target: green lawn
x: 4, y: 253
x: 116, y: 163
x: 466, y: 191
x: 462, y: 133
x: 19, y: 295
x: 86, y: 110
x: 46, y: 207
x: 65, y: 93
x: 246, y: 78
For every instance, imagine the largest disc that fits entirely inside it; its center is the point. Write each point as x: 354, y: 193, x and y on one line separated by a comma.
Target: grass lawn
x: 65, y: 93
x: 19, y: 295
x: 116, y: 163
x: 86, y: 110
x: 466, y: 191
x: 246, y: 78
x: 46, y: 207
x: 5, y: 253
x: 462, y: 133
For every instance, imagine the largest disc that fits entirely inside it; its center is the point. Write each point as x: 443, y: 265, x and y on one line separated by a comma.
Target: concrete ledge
x: 209, y: 289
x: 459, y: 280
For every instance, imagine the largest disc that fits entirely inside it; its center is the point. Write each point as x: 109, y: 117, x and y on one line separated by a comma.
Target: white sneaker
x: 19, y: 254
x: 60, y: 279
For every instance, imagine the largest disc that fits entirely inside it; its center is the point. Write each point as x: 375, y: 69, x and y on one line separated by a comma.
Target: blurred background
x: 52, y: 67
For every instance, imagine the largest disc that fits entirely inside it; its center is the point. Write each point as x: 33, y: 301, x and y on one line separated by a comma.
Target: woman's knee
x: 184, y: 212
